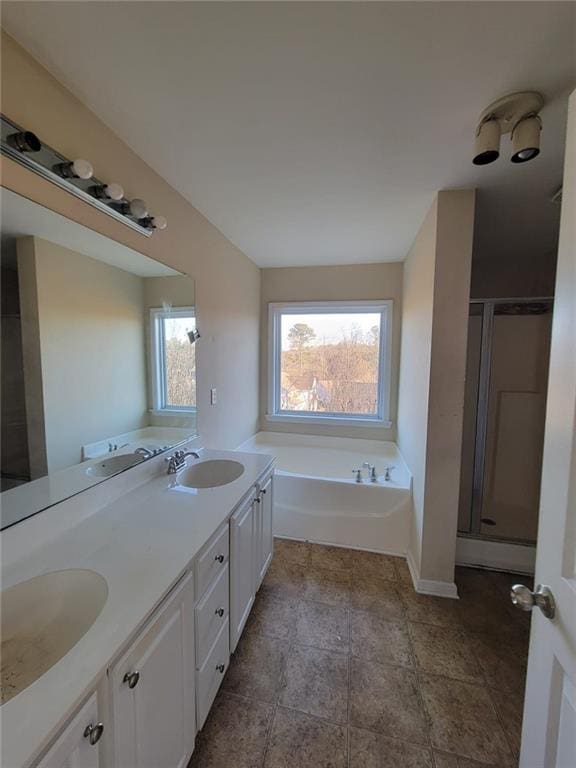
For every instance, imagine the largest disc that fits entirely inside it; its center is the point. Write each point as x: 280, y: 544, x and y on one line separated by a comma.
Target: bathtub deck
x: 342, y: 664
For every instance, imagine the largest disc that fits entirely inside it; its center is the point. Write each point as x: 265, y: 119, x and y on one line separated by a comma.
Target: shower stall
x: 504, y: 416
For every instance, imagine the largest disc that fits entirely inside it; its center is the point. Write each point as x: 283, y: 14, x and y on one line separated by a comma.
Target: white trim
x: 384, y: 308
x: 498, y: 555
x: 429, y: 586
x: 157, y: 369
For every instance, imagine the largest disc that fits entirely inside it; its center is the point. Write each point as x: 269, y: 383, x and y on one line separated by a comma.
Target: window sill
x: 173, y: 411
x: 335, y: 421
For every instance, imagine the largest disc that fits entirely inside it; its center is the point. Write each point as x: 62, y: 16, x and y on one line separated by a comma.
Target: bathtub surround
x: 435, y: 298
x: 228, y: 283
x: 357, y: 282
x: 317, y: 496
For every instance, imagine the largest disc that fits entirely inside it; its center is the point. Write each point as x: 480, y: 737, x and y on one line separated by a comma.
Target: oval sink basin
x: 109, y: 467
x: 211, y: 473
x: 42, y: 619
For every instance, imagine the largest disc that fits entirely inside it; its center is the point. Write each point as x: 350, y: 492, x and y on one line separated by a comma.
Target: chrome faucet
x: 178, y: 460
x: 145, y: 452
x: 371, y: 471
x: 387, y: 471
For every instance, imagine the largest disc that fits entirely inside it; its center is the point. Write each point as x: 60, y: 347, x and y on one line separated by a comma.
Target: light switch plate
x: 213, y: 396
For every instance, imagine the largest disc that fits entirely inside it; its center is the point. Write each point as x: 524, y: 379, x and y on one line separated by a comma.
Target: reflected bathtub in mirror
x: 98, y: 367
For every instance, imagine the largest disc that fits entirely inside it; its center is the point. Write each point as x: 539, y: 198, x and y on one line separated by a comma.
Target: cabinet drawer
x: 211, y: 614
x: 212, y: 561
x: 210, y: 675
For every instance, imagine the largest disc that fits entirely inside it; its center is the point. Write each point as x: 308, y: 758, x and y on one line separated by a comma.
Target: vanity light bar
x: 76, y: 177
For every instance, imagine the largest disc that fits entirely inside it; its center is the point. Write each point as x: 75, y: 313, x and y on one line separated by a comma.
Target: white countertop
x: 141, y: 544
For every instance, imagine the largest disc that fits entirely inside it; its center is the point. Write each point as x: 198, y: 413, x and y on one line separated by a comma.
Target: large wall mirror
x: 98, y: 358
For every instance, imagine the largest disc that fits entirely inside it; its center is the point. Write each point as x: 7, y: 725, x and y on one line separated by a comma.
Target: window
x: 330, y: 362
x: 173, y: 359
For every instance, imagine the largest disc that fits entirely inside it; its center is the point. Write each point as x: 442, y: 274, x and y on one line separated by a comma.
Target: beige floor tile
x: 402, y: 571
x: 334, y: 558
x: 374, y: 565
x: 306, y: 742
x: 385, y: 699
x: 284, y: 577
x: 374, y: 637
x: 235, y: 733
x: 502, y: 659
x: 257, y: 667
x: 326, y: 586
x: 291, y: 551
x: 316, y: 682
x: 444, y: 760
x: 323, y: 626
x: 274, y: 615
x: 445, y: 651
x: 373, y: 750
x: 440, y: 611
x: 463, y: 720
x: 376, y: 596
x: 510, y: 709
x: 488, y: 615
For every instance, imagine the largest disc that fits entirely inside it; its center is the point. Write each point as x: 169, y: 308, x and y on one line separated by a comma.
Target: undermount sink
x: 114, y: 464
x: 210, y: 473
x: 42, y: 619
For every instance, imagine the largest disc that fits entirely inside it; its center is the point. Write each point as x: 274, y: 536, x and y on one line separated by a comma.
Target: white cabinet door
x: 153, y: 690
x: 78, y: 746
x: 265, y: 537
x: 242, y: 586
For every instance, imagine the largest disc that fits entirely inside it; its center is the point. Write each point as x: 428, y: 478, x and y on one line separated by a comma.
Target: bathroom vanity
x: 182, y: 564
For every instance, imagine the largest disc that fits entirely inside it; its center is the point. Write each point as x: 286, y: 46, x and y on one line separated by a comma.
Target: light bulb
x: 159, y: 222
x: 138, y: 208
x: 25, y: 141
x: 114, y: 191
x: 77, y: 169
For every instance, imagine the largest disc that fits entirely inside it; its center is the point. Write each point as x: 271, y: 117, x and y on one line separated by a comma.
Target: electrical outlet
x: 213, y: 396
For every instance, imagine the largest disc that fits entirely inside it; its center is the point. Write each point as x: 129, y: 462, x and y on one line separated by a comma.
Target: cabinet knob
x: 220, y: 612
x: 219, y: 558
x: 131, y: 678
x: 94, y: 733
x: 220, y: 668
x: 263, y: 491
x: 257, y: 500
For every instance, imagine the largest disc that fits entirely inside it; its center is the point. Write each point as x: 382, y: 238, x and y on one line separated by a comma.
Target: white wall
x: 358, y: 282
x: 92, y: 349
x: 432, y: 372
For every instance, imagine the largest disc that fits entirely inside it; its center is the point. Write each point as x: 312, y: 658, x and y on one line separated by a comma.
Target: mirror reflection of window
x: 173, y: 359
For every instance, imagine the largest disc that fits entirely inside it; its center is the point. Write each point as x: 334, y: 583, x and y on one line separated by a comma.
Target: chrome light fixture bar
x: 76, y: 177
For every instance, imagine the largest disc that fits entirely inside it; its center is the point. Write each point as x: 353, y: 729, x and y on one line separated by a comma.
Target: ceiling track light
x: 76, y: 177
x: 516, y: 114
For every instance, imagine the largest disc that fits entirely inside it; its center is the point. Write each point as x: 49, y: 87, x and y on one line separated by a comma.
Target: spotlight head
x: 25, y: 141
x: 487, y: 141
x: 526, y: 139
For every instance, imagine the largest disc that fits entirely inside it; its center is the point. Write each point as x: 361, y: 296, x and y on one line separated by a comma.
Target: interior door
x: 549, y: 730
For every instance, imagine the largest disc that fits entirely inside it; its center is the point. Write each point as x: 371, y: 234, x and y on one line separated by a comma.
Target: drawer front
x: 212, y: 561
x: 211, y: 674
x: 211, y: 615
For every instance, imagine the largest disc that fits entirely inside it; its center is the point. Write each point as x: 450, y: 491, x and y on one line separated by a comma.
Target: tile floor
x: 343, y: 665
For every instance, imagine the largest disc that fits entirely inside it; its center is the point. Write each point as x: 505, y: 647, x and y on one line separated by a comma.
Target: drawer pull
x: 131, y: 678
x: 219, y: 558
x: 257, y: 500
x: 220, y: 612
x: 220, y: 668
x: 263, y: 491
x: 94, y: 733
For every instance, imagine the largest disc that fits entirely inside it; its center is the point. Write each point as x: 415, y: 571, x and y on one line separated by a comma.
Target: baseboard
x: 497, y: 555
x: 429, y: 586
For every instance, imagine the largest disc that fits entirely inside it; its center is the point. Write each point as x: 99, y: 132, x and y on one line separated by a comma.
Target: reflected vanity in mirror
x: 98, y: 358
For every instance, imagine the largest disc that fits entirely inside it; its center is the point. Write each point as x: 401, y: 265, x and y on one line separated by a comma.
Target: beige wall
x: 432, y: 373
x: 361, y: 282
x: 227, y: 282
x: 92, y: 349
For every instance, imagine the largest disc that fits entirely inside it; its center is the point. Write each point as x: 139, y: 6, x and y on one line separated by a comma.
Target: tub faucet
x: 178, y: 460
x: 358, y: 473
x: 387, y: 471
x: 371, y: 471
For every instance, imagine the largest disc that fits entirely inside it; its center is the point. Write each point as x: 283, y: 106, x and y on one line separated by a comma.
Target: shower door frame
x: 484, y: 373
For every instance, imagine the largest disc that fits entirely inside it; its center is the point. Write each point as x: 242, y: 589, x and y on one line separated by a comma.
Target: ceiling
x: 318, y: 133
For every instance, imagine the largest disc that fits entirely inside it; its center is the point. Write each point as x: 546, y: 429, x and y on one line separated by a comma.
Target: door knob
x: 94, y: 733
x: 525, y: 599
x: 131, y: 678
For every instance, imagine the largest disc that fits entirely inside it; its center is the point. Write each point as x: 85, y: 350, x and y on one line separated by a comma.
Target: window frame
x: 383, y: 307
x: 158, y: 358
